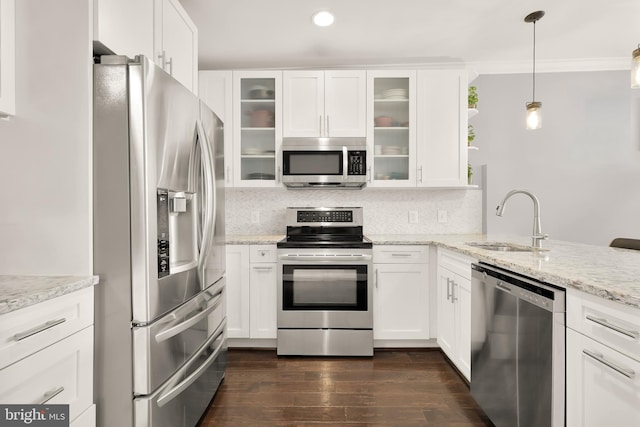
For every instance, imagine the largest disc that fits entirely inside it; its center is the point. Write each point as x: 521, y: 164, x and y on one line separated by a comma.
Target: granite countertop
x: 609, y: 273
x: 255, y: 239
x: 21, y: 291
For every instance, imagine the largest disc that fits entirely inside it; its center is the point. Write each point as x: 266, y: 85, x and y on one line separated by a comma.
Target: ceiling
x: 491, y: 35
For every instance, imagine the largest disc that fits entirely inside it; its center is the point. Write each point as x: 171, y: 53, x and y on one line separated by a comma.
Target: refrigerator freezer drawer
x: 161, y: 348
x: 182, y: 400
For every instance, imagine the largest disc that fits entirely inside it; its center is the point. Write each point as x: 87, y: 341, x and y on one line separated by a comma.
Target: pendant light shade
x: 635, y: 68
x: 534, y: 115
x: 534, y: 108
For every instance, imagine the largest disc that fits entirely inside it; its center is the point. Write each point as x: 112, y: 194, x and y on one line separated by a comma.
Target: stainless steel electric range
x: 325, y: 295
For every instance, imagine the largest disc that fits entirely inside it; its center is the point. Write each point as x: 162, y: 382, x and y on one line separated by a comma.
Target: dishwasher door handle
x: 503, y: 287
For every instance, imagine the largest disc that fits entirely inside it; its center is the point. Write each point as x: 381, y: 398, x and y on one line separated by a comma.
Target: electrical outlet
x: 255, y: 217
x: 413, y: 217
x: 442, y: 216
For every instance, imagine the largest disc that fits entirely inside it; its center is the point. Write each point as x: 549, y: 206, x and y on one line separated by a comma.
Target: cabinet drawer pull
x: 262, y: 268
x: 449, y: 292
x: 604, y: 322
x: 51, y: 394
x: 453, y: 291
x: 629, y: 373
x: 50, y: 324
x: 401, y: 255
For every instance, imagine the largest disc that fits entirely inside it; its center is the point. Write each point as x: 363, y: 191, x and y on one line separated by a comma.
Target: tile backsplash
x: 262, y: 211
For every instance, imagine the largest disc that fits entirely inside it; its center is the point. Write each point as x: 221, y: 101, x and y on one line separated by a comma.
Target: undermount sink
x: 504, y: 247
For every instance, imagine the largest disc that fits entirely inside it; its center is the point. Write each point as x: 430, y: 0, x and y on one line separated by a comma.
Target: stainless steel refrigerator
x: 158, y: 200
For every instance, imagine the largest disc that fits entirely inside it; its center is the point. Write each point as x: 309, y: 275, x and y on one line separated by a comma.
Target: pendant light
x: 534, y: 108
x: 635, y: 68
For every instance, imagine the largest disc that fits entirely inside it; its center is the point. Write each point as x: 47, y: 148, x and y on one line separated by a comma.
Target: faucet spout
x: 537, y: 236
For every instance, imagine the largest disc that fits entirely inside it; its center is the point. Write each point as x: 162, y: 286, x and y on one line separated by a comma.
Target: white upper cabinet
x: 324, y: 103
x: 391, y: 128
x: 257, y: 129
x: 442, y: 128
x: 7, y: 58
x: 124, y: 27
x: 158, y: 29
x: 216, y: 90
x: 176, y: 42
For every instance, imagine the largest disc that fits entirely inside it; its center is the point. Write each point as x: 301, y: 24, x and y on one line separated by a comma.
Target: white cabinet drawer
x: 603, y: 385
x: 613, y: 324
x: 25, y: 331
x: 60, y: 374
x: 262, y: 253
x: 400, y: 254
x: 85, y: 419
x: 455, y: 262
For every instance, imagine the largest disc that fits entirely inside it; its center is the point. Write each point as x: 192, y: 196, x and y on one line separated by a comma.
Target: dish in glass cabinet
x: 260, y: 92
x: 260, y: 175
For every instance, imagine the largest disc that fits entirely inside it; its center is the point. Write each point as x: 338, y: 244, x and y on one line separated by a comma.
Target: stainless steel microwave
x: 324, y: 162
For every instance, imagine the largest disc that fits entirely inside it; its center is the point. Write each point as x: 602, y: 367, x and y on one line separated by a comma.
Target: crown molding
x: 551, y: 66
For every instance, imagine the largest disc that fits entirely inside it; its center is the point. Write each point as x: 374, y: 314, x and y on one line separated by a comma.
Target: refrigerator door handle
x: 179, y: 388
x: 182, y: 326
x: 210, y: 202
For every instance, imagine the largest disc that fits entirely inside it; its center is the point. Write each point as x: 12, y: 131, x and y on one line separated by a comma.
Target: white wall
x: 45, y: 150
x: 584, y: 164
x: 385, y: 211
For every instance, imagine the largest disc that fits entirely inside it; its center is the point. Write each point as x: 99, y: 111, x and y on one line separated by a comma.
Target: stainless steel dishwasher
x: 517, y: 348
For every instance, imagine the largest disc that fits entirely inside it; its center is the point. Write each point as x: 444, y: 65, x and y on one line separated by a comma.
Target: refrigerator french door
x: 160, y: 346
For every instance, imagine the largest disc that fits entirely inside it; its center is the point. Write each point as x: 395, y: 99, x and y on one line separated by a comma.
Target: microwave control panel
x: 356, y: 163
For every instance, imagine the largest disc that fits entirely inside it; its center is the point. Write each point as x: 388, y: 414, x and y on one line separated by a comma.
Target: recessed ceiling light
x: 323, y: 18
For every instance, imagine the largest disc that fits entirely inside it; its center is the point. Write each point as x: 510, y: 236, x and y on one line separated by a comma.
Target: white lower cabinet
x: 603, y: 362
x: 251, y: 291
x: 263, y: 292
x: 603, y: 385
x: 238, y: 279
x: 60, y: 374
x: 454, y: 308
x: 401, y: 293
x: 47, y: 355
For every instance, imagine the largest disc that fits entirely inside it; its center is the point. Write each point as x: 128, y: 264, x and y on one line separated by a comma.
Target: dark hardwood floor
x: 393, y: 388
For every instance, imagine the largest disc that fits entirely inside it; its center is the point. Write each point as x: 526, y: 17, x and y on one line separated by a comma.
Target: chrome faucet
x: 537, y: 230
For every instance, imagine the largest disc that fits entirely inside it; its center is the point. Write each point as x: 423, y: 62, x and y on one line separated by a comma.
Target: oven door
x: 325, y: 289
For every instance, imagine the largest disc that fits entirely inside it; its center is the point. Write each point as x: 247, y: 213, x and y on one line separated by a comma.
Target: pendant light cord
x: 534, y: 62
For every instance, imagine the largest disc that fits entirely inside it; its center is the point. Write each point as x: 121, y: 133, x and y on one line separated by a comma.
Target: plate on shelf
x: 260, y: 92
x: 256, y: 152
x: 392, y: 150
x: 395, y: 94
x: 260, y: 175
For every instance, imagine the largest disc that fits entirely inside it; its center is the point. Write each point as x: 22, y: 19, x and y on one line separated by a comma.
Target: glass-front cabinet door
x: 257, y: 132
x: 391, y: 134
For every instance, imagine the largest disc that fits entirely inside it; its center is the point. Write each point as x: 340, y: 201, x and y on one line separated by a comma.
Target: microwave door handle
x: 345, y: 163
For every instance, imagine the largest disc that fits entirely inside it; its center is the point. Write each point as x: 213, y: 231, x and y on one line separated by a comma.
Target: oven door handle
x: 325, y: 258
